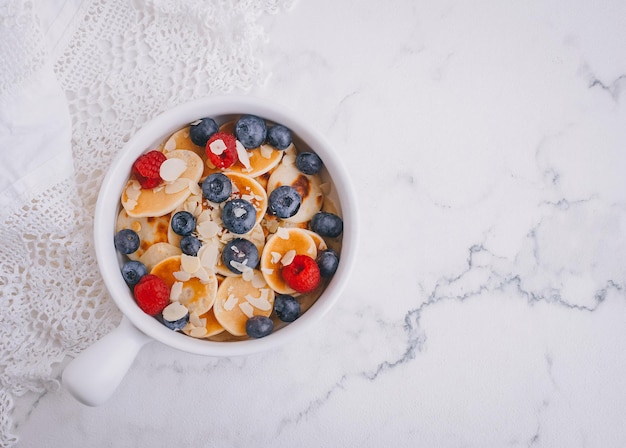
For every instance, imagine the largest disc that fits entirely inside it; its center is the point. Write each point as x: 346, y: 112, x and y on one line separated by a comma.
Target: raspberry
x: 222, y: 157
x: 152, y: 294
x: 302, y: 274
x: 146, y: 169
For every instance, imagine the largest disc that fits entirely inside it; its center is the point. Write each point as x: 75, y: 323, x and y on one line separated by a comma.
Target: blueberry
x: 177, y: 324
x: 238, y: 216
x: 190, y: 245
x: 217, y: 187
x: 251, y: 131
x: 259, y: 326
x: 309, y: 162
x: 284, y: 202
x: 201, y: 132
x: 287, y: 307
x: 126, y: 241
x: 327, y: 224
x: 240, y: 250
x: 279, y: 137
x: 183, y: 223
x: 175, y: 316
x: 327, y: 260
x: 132, y: 271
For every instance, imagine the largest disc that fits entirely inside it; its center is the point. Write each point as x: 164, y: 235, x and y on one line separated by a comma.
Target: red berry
x: 152, y: 294
x: 302, y: 274
x: 228, y: 156
x: 146, y: 169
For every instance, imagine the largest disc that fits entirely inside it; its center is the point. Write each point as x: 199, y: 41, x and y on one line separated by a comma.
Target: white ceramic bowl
x: 94, y: 375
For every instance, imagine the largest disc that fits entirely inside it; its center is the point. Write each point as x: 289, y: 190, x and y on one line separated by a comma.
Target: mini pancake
x: 319, y: 241
x: 197, y: 294
x: 277, y: 246
x: 161, y: 200
x: 181, y: 140
x: 308, y: 186
x: 209, y: 326
x: 150, y: 230
x: 157, y: 253
x: 238, y: 300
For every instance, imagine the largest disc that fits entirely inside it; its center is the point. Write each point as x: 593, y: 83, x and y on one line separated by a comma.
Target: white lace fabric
x: 125, y: 62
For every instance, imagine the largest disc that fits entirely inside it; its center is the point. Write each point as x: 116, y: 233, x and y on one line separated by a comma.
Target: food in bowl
x: 228, y: 230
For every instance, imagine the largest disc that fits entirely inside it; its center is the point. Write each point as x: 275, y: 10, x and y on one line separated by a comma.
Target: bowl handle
x: 94, y: 374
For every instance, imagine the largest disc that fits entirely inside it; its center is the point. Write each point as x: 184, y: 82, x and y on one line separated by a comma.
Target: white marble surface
x: 487, y: 143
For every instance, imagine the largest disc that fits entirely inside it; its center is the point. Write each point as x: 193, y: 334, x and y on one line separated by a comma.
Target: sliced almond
x: 242, y: 154
x: 171, y: 169
x: 175, y: 291
x: 262, y: 303
x: 189, y: 263
x: 174, y: 311
x: 287, y: 259
x: 217, y: 147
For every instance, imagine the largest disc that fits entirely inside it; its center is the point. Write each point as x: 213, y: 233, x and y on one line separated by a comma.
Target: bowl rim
x: 151, y: 134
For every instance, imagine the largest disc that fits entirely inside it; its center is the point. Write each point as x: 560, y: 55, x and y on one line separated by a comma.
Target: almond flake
x: 288, y: 257
x: 239, y: 212
x: 205, y: 215
x: 267, y: 271
x: 172, y: 168
x: 198, y: 332
x: 170, y: 144
x: 176, y: 291
x: 271, y: 225
x: 216, y: 214
x: 241, y: 267
x: 267, y: 151
x: 134, y: 184
x: 203, y: 275
x: 217, y: 147
x: 133, y: 193
x: 208, y: 254
x: 230, y: 302
x: 181, y: 276
x: 194, y: 187
x: 189, y: 263
x: 246, y: 309
x: 174, y: 311
x: 260, y: 302
x: 282, y: 233
x: 312, y: 251
x: 208, y: 229
x: 276, y: 256
x: 195, y: 123
x: 176, y: 186
x: 242, y: 154
x: 248, y: 274
x: 248, y: 197
x: 193, y: 204
x: 130, y: 204
x: 195, y: 320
